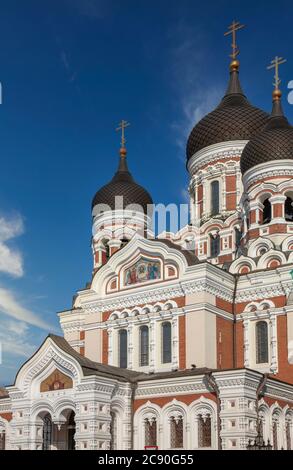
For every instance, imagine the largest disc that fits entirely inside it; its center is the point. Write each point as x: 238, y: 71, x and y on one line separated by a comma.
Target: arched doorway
x: 56, y: 434
x: 47, y: 432
x: 71, y: 428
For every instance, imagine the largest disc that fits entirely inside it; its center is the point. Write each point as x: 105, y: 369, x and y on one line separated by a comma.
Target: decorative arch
x: 147, y: 413
x: 272, y: 255
x: 258, y: 244
x: 203, y: 423
x: 175, y: 415
x: 241, y: 262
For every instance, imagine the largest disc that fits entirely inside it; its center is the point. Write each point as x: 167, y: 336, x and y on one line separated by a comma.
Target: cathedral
x: 181, y: 340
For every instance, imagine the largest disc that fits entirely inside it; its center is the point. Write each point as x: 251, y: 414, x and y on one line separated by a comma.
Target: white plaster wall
x: 93, y: 345
x: 201, y: 339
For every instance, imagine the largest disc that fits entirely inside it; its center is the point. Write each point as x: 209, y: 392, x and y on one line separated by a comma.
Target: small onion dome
x: 123, y: 185
x: 274, y: 142
x: 233, y: 119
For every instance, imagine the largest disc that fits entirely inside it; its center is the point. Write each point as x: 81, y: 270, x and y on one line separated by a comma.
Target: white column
x: 130, y: 345
x: 152, y: 337
x: 110, y: 347
x: 175, y: 342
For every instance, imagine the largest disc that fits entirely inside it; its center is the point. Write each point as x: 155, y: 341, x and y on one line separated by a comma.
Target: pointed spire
x: 277, y: 110
x: 234, y: 87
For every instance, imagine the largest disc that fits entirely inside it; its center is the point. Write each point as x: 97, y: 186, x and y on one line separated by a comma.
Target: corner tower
x: 267, y: 168
x: 214, y: 148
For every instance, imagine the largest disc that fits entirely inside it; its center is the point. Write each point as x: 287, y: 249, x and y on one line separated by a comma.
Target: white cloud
x: 10, y: 306
x: 13, y: 339
x: 195, y: 96
x: 11, y: 261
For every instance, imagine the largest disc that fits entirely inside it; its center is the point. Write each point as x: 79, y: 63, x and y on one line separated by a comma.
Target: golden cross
x: 122, y: 126
x: 275, y: 65
x: 235, y: 26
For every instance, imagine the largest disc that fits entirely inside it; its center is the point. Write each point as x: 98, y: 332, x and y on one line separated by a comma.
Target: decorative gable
x: 56, y: 381
x: 143, y: 270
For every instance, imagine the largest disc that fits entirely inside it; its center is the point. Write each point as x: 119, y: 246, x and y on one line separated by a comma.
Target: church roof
x: 233, y: 119
x: 189, y: 255
x: 122, y: 184
x: 274, y: 142
x: 94, y: 368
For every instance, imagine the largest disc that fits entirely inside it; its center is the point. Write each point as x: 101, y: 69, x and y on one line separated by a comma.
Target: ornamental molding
x: 159, y: 294
x: 166, y: 390
x: 223, y: 150
x: 267, y: 170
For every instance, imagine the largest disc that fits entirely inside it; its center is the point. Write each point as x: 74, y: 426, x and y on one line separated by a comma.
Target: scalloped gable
x: 159, y: 256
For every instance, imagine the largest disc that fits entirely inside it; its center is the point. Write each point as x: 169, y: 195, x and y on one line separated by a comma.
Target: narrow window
x: 166, y: 343
x: 150, y: 432
x: 144, y: 345
x: 262, y: 347
x: 123, y: 349
x: 215, y: 245
x: 204, y: 432
x: 238, y: 236
x: 275, y: 435
x: 2, y: 440
x: 215, y: 198
x: 176, y: 432
x: 288, y: 435
x: 289, y: 209
x: 267, y: 212
x: 47, y: 432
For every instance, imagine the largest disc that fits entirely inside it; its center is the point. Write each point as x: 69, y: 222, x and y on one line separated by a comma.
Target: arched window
x: 47, y: 432
x: 176, y: 428
x: 262, y: 347
x: 150, y: 428
x: 289, y: 209
x: 215, y: 245
x: 267, y: 212
x: 71, y: 431
x: 2, y: 440
x: 144, y: 345
x: 204, y: 431
x: 215, y: 198
x: 113, y: 431
x: 166, y: 342
x: 123, y: 349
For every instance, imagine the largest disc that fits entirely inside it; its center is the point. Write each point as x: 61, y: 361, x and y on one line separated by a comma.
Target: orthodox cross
x: 275, y: 63
x: 122, y: 126
x: 235, y: 26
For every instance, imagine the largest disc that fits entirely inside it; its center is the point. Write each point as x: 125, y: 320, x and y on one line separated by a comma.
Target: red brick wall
x: 105, y: 340
x: 224, y: 343
x: 285, y: 370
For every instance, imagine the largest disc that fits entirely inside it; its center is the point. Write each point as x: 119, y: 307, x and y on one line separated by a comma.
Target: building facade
x: 182, y: 340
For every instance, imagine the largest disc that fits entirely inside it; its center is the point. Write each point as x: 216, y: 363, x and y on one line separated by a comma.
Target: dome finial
x: 122, y: 126
x: 234, y: 26
x: 277, y: 107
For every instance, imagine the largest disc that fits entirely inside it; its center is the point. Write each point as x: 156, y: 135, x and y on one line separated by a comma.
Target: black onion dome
x: 233, y: 119
x: 122, y: 184
x: 274, y: 142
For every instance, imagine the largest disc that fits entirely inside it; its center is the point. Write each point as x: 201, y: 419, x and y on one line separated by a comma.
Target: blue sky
x: 70, y: 70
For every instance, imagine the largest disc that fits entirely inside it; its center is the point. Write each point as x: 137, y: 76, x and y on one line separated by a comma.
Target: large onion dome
x: 274, y: 142
x: 123, y: 185
x: 233, y: 119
